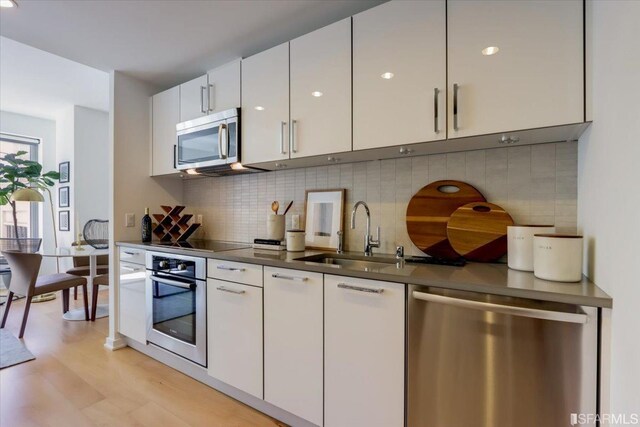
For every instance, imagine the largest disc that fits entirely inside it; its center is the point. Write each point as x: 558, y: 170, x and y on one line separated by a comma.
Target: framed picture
x: 324, y: 217
x: 64, y: 169
x: 63, y: 220
x: 63, y: 197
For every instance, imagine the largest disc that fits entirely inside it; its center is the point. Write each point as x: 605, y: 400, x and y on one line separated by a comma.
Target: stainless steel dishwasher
x: 477, y: 360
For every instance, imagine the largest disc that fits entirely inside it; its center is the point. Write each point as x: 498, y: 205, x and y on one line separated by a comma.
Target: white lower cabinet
x: 234, y: 318
x: 131, y: 295
x: 293, y: 325
x: 364, y: 352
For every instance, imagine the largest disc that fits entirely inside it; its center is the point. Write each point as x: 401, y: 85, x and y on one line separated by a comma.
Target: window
x: 27, y: 213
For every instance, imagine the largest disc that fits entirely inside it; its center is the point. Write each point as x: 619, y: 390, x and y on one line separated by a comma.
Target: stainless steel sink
x: 351, y: 261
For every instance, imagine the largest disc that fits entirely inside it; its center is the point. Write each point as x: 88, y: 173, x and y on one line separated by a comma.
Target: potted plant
x: 17, y: 173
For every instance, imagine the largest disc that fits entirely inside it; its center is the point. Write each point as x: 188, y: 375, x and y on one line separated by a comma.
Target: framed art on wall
x: 64, y: 169
x: 63, y: 197
x: 63, y: 221
x: 324, y: 217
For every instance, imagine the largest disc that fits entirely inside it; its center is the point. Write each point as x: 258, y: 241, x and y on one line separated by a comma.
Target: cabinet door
x: 234, y: 319
x: 132, y: 315
x: 193, y: 102
x: 321, y: 91
x: 293, y: 342
x: 536, y: 77
x: 364, y: 352
x: 265, y: 106
x: 165, y: 117
x: 224, y: 87
x: 399, y: 73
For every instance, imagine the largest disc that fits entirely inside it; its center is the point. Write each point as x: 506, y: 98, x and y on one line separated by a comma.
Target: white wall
x: 131, y: 188
x: 46, y: 129
x: 608, y: 188
x: 65, y: 153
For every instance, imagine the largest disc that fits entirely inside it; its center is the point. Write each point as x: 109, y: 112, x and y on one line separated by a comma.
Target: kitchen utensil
x: 520, y: 244
x: 275, y: 226
x: 288, y: 207
x: 429, y: 210
x: 295, y: 240
x: 558, y: 257
x: 275, y: 206
x: 478, y: 231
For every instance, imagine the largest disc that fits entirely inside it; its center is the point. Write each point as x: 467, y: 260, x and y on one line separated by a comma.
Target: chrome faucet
x: 369, y: 242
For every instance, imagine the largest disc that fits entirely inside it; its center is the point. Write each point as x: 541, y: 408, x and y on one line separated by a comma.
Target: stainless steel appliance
x: 210, y: 144
x: 177, y: 305
x: 492, y: 361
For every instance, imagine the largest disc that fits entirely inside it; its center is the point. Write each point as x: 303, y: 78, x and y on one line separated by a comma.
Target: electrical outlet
x: 295, y: 222
x: 130, y: 220
x: 199, y: 218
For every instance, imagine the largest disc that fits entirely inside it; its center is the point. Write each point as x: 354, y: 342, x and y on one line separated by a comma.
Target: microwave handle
x: 223, y: 143
x: 175, y: 156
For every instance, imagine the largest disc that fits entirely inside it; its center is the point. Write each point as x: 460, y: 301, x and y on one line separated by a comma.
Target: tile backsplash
x: 535, y: 184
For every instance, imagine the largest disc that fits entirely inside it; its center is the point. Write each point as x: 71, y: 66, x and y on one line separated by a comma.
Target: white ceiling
x: 40, y: 84
x: 167, y: 42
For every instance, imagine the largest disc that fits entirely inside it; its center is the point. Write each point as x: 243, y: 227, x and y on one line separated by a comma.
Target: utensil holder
x: 275, y: 226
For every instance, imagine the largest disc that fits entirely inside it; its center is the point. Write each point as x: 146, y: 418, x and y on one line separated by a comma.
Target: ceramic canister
x: 275, y: 226
x: 557, y: 257
x: 520, y: 244
x: 295, y: 240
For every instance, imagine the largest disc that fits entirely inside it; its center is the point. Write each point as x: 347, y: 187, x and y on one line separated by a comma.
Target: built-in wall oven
x: 177, y: 305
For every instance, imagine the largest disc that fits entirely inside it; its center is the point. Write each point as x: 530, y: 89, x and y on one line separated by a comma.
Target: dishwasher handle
x: 534, y: 313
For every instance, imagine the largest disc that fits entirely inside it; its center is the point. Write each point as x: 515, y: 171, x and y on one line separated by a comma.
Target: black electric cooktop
x: 203, y: 245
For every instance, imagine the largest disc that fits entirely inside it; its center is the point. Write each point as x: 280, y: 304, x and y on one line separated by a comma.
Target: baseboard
x: 114, y: 344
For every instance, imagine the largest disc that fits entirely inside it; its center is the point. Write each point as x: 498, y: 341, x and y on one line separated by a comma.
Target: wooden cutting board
x: 429, y: 210
x: 478, y: 231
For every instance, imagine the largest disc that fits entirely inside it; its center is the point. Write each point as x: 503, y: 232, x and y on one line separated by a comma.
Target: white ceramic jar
x: 295, y: 240
x: 275, y: 227
x: 520, y: 244
x: 558, y: 257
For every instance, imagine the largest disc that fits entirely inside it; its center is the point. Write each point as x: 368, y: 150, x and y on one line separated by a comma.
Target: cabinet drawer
x: 240, y: 272
x: 132, y: 255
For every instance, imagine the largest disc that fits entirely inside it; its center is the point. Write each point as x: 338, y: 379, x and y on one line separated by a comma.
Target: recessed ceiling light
x: 491, y: 50
x: 387, y: 75
x: 259, y: 108
x: 8, y: 3
x: 316, y: 93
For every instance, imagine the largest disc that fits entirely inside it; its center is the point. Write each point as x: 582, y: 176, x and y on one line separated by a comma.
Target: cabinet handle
x: 226, y: 268
x: 293, y: 136
x: 223, y: 142
x: 124, y: 267
x: 359, y: 288
x: 435, y: 110
x: 455, y: 106
x: 130, y: 253
x: 298, y: 279
x: 282, y: 126
x: 202, y: 109
x: 210, y: 106
x: 231, y: 291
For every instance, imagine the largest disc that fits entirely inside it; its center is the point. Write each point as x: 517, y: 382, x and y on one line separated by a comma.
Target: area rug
x: 12, y: 351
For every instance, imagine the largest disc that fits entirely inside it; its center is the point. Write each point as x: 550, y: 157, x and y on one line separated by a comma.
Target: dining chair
x: 102, y: 280
x: 81, y: 266
x: 23, y: 244
x: 26, y: 282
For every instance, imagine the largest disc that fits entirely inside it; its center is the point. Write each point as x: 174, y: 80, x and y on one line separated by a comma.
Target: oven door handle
x: 172, y: 282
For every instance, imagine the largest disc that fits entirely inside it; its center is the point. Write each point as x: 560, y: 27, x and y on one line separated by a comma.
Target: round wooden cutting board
x: 478, y: 231
x: 429, y: 210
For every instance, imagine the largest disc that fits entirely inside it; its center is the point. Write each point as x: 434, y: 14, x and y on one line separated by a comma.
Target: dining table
x: 82, y: 251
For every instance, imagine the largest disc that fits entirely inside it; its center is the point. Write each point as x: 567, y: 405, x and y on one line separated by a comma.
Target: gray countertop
x: 495, y: 279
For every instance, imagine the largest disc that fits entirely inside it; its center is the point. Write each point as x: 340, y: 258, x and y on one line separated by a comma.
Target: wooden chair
x: 102, y: 280
x: 25, y: 281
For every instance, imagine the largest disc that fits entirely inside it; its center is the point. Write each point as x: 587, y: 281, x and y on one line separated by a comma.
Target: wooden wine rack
x: 173, y: 226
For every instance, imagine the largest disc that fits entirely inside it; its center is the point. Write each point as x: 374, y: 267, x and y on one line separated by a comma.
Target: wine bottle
x: 146, y: 226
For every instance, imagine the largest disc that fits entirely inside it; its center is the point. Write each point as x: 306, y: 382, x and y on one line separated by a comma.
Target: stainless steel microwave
x: 211, y: 142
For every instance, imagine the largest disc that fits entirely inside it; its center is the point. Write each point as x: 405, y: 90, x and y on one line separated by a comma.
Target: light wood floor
x: 76, y: 381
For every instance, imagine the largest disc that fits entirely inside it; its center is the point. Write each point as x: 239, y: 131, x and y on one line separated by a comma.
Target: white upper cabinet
x: 265, y: 106
x: 223, y: 89
x: 165, y: 115
x: 193, y: 99
x: 321, y: 91
x: 399, y: 70
x: 534, y: 78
